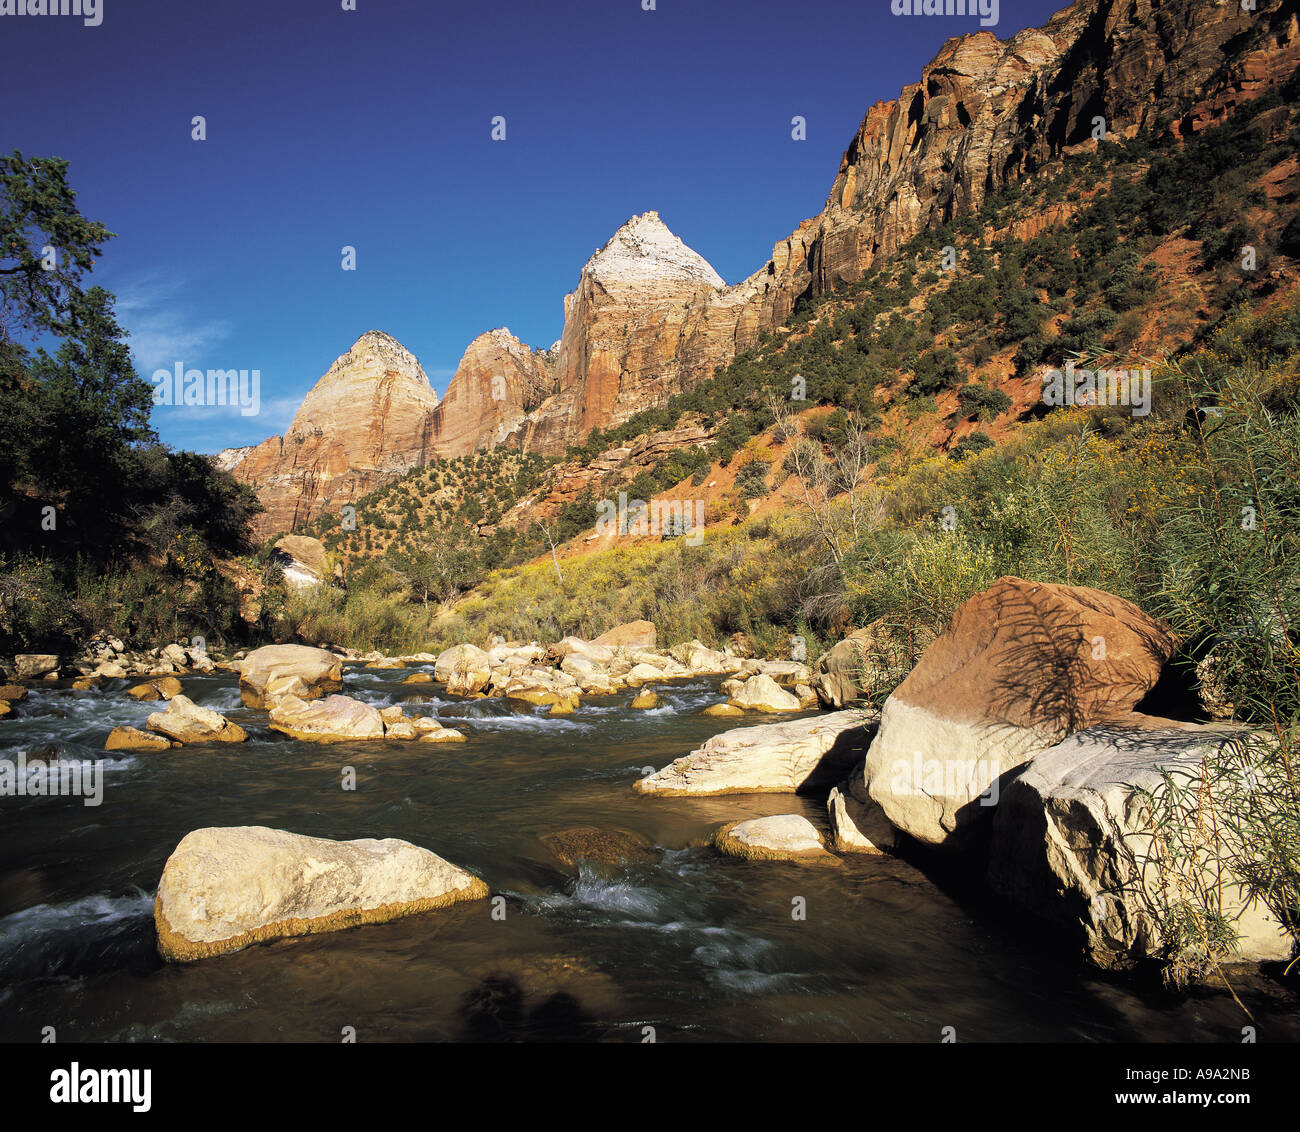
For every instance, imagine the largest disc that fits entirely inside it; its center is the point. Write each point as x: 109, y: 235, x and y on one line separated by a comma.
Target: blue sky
x: 372, y: 128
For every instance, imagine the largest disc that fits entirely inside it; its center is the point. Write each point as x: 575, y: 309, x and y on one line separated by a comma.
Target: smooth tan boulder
x: 12, y: 693
x: 725, y: 710
x: 225, y: 888
x: 642, y: 674
x: 443, y: 735
x: 875, y: 658
x: 418, y: 678
x: 335, y: 719
x: 645, y: 699
x: 33, y: 666
x: 464, y: 669
x: 701, y: 660
x: 772, y: 758
x: 132, y: 739
x: 1074, y: 844
x: 842, y: 672
x: 569, y: 646
x: 1021, y: 666
x: 858, y: 826
x: 163, y: 688
x: 762, y: 693
x: 274, y: 672
x: 781, y: 837
x: 186, y: 722
x: 632, y: 635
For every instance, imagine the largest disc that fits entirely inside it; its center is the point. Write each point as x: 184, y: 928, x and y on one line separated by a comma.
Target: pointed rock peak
x: 644, y: 249
x: 494, y: 341
x: 376, y: 353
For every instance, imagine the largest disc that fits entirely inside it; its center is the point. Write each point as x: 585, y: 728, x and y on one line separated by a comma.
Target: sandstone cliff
x: 498, y: 383
x: 987, y: 113
x: 367, y: 420
x: 650, y: 318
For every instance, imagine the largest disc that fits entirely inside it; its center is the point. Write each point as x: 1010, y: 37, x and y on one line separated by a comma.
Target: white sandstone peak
x: 644, y: 249
x: 376, y: 353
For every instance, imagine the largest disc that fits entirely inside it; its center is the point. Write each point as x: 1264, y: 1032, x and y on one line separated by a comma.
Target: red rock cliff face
x: 366, y: 421
x: 649, y: 318
x: 498, y: 383
x: 987, y: 113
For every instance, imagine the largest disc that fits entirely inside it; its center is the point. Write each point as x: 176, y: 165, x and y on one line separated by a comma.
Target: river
x: 684, y: 945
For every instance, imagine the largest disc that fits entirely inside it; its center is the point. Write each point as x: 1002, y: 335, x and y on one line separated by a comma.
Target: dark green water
x: 695, y: 946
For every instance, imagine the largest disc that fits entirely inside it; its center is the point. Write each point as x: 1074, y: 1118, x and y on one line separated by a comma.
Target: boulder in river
x: 132, y: 739
x: 725, y: 710
x: 602, y: 846
x: 225, y: 888
x: 335, y: 719
x: 1074, y: 843
x: 162, y: 688
x: 858, y: 826
x: 186, y: 722
x: 1021, y: 666
x: 465, y: 670
x: 771, y: 758
x: 781, y: 837
x: 762, y: 693
x: 273, y: 672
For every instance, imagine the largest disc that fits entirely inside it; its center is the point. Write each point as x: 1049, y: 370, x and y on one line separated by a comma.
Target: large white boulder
x: 1021, y: 666
x: 780, y: 837
x: 186, y: 722
x: 335, y: 719
x: 1073, y: 842
x: 772, y: 758
x: 465, y: 669
x: 225, y: 888
x: 762, y: 693
x: 274, y: 671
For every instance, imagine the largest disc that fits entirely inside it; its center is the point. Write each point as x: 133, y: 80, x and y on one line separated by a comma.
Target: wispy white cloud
x: 164, y: 327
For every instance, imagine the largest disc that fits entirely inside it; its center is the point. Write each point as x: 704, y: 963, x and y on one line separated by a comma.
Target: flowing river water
x: 697, y: 946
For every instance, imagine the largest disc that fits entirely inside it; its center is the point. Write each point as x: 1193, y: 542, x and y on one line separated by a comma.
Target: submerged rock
x: 781, y: 837
x: 603, y: 846
x: 225, y: 888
